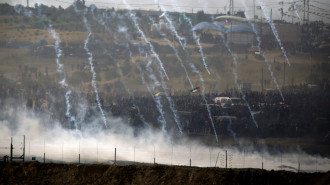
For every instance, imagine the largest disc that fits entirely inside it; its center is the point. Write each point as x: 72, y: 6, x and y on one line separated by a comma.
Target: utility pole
x: 307, y: 11
x: 27, y: 3
x: 230, y: 6
x: 292, y: 11
x: 282, y: 12
x: 304, y: 11
x: 254, y: 9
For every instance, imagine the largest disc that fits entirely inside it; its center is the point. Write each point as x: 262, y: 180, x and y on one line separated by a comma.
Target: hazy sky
x: 209, y: 6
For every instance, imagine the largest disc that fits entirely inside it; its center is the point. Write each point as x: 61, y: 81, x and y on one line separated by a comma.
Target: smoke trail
x: 269, y: 66
x: 161, y: 119
x: 180, y: 60
x: 270, y: 22
x: 101, y: 21
x: 61, y: 74
x: 58, y: 51
x: 173, y: 47
x: 236, y: 78
x: 172, y: 28
x: 195, y: 70
x: 122, y: 80
x: 229, y: 129
x: 197, y: 42
x: 205, y: 4
x: 163, y: 84
x: 295, y: 10
x: 90, y: 59
x: 26, y: 12
x: 144, y: 38
x: 157, y: 100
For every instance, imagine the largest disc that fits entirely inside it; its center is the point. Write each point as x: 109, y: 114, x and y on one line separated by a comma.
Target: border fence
x: 88, y: 152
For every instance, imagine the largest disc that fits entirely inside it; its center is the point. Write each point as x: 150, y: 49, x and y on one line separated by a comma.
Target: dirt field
x: 250, y: 69
x: 37, y: 173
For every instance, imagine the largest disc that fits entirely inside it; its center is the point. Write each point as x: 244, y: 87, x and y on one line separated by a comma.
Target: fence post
x: 154, y: 156
x: 134, y: 154
x: 210, y: 157
x: 79, y: 154
x: 315, y: 163
x: 262, y: 161
x: 281, y: 162
x: 115, y: 155
x: 190, y: 155
x: 172, y: 154
x: 226, y: 159
x: 11, y: 149
x: 44, y: 151
x: 24, y: 149
x: 243, y: 158
x: 217, y: 160
x: 62, y: 151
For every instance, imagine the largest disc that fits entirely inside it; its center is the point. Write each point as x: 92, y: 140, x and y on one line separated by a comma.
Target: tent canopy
x: 209, y: 26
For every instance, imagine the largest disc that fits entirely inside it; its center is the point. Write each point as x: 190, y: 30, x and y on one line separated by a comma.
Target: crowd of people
x: 303, y: 112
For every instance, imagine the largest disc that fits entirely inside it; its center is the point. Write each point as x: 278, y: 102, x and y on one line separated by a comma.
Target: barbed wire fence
x: 94, y: 153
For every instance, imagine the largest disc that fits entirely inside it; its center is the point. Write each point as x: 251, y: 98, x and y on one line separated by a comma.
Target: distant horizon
x: 208, y: 6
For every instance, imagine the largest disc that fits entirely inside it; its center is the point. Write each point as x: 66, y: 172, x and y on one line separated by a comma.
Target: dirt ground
x: 38, y: 173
